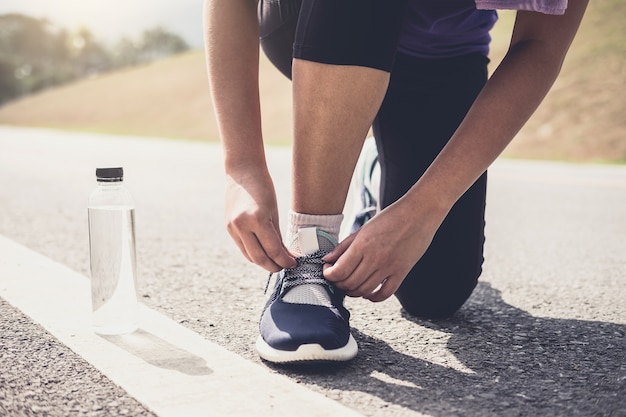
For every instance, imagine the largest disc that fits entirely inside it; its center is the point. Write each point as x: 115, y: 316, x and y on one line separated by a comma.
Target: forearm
x: 232, y: 58
x: 509, y: 98
x: 505, y: 104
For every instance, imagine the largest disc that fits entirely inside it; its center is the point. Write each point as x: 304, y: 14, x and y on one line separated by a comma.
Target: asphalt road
x: 544, y: 333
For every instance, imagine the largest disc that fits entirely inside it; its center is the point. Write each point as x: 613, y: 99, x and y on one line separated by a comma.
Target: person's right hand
x: 252, y: 221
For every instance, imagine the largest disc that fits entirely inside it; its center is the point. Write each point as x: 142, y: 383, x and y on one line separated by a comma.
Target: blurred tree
x: 35, y: 54
x: 8, y: 87
x: 126, y: 53
x: 158, y: 42
x: 22, y: 53
x: 89, y: 57
x: 153, y: 44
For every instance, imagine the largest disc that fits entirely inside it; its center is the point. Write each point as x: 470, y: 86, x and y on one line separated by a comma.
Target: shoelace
x: 307, y: 271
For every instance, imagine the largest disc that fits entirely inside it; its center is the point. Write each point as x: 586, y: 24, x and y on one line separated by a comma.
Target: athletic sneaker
x: 304, y: 319
x: 365, y: 185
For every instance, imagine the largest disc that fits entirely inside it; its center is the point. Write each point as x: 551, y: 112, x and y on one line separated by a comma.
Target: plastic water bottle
x: 112, y: 254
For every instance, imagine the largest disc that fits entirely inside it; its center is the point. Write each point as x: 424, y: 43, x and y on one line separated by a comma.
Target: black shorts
x: 341, y: 32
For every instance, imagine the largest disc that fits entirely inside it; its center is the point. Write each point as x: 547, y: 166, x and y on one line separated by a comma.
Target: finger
x: 386, y: 290
x: 257, y: 254
x: 234, y: 234
x: 373, y: 282
x: 361, y: 274
x: 339, y: 250
x: 343, y: 268
x: 274, y: 249
x: 241, y: 247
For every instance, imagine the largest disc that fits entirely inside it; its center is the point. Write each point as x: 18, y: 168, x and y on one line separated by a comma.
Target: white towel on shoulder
x: 542, y: 6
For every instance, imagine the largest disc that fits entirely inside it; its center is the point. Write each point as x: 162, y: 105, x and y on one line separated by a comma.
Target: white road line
x: 167, y: 367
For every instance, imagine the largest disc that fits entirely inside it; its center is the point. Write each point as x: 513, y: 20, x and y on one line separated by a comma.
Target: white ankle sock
x: 330, y: 224
x: 299, y: 240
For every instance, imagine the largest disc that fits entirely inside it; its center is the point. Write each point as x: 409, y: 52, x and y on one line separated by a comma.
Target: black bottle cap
x: 110, y: 174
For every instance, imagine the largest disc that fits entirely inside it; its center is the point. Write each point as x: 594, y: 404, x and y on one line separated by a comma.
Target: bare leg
x: 334, y: 106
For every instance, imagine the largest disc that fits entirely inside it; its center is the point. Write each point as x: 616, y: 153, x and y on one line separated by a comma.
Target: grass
x: 168, y: 98
x: 581, y: 119
x: 583, y: 116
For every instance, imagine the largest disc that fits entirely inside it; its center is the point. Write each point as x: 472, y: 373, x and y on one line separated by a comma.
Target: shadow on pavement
x: 520, y: 365
x: 160, y: 353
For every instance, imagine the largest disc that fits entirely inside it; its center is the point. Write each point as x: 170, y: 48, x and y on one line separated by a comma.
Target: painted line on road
x: 170, y: 369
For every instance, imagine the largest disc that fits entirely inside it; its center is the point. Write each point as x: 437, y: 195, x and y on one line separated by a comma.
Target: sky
x: 110, y: 23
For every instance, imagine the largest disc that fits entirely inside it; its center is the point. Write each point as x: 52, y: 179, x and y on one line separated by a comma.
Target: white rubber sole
x: 307, y: 353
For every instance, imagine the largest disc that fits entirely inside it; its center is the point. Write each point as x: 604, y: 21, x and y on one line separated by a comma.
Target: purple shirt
x: 445, y: 28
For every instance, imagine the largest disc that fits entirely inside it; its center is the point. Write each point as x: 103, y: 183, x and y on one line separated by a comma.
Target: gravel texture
x: 41, y: 377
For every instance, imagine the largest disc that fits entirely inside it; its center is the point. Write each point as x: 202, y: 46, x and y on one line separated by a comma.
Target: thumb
x: 339, y: 249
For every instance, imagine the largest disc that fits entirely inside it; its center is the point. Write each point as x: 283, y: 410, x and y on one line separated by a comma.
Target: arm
x: 538, y: 47
x: 232, y: 56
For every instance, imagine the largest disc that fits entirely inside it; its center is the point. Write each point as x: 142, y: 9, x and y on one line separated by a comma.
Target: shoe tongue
x: 307, y: 240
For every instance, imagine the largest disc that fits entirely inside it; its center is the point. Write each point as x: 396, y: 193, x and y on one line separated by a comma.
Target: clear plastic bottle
x: 112, y: 254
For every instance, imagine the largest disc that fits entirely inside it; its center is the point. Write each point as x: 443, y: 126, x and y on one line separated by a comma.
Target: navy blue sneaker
x: 365, y: 186
x: 304, y: 319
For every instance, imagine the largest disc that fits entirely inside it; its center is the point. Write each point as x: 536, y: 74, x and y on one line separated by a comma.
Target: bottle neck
x: 110, y: 183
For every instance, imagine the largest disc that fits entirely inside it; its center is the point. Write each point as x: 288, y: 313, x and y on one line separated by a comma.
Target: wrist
x: 242, y: 171
x: 242, y: 161
x: 243, y: 167
x: 426, y: 203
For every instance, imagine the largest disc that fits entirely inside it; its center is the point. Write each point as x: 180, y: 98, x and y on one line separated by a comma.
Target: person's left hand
x: 373, y: 262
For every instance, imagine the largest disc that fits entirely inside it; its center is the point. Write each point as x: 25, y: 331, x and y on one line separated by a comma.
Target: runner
x: 415, y: 70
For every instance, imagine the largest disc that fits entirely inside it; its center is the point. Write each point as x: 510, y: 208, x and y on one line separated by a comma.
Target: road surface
x: 544, y: 333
